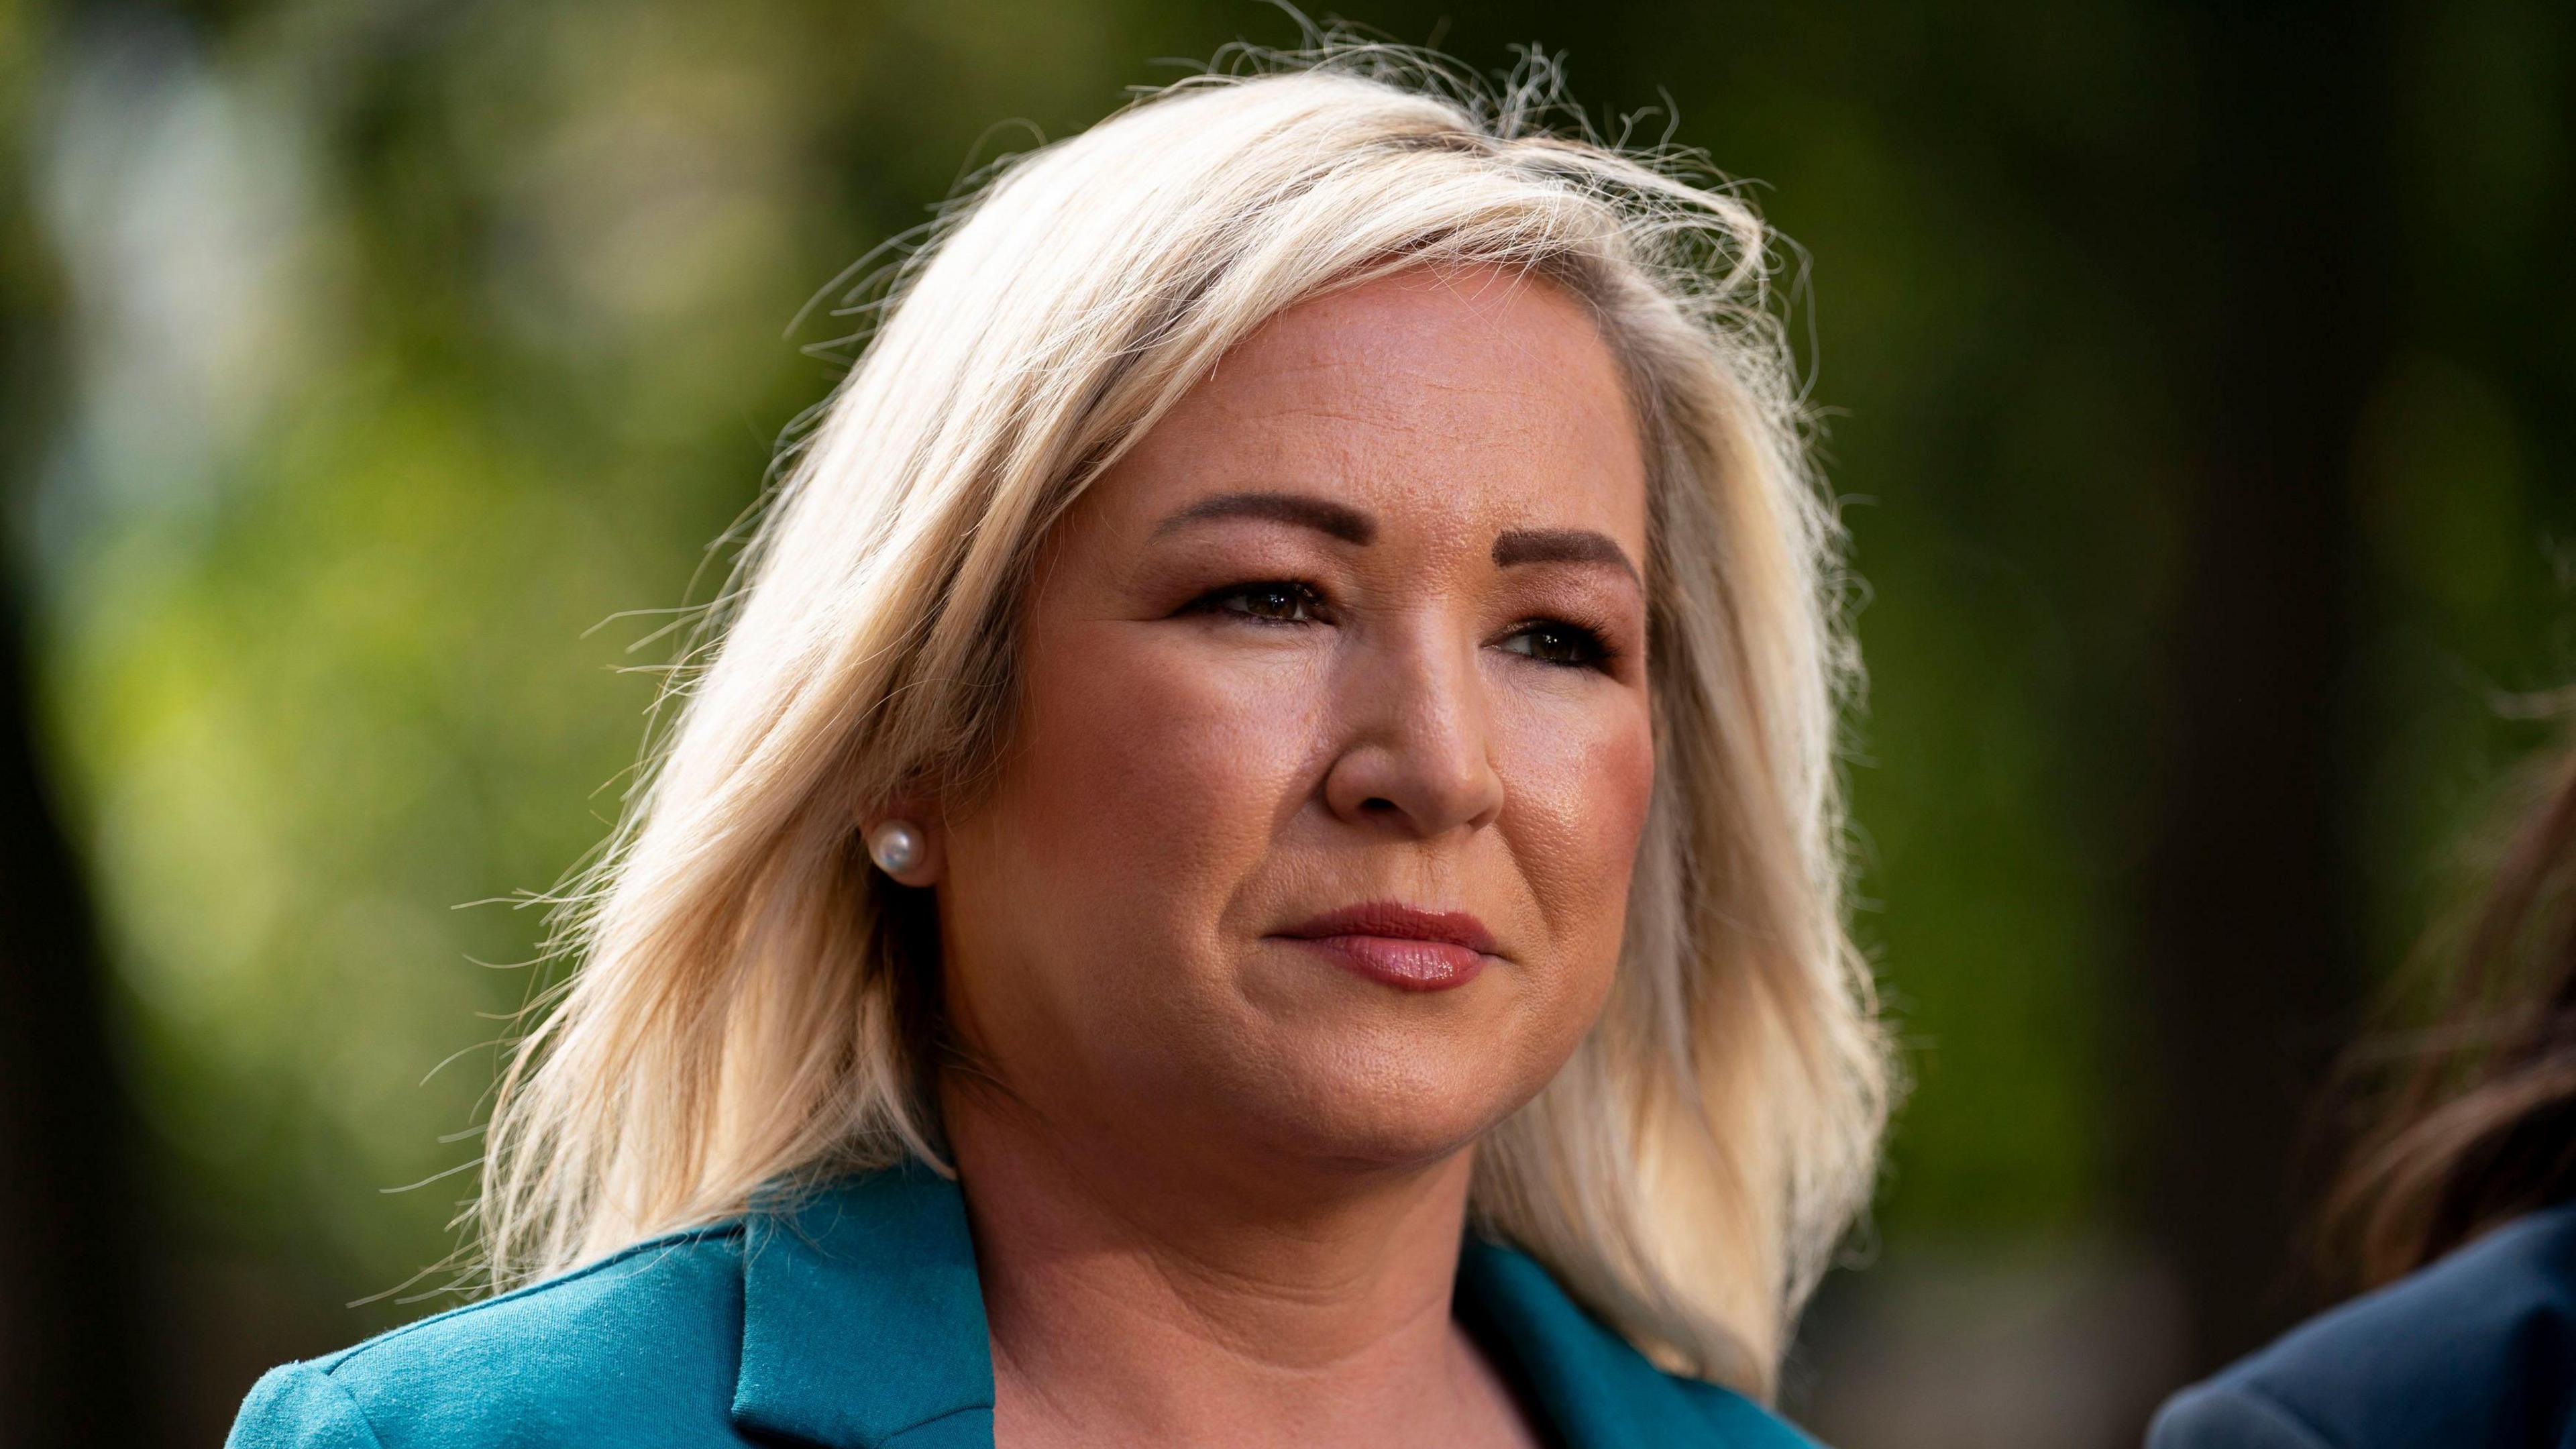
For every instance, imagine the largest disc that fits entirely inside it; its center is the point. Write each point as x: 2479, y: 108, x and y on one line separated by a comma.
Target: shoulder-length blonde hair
x: 753, y: 1003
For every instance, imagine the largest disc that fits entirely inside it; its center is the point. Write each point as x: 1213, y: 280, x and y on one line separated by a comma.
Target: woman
x: 1257, y: 862
x: 2462, y: 1204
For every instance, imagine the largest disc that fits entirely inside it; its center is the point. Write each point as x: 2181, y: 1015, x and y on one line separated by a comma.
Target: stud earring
x: 897, y: 846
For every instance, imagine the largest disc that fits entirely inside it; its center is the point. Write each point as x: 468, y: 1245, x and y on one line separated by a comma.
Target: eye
x: 1553, y: 641
x: 1272, y: 601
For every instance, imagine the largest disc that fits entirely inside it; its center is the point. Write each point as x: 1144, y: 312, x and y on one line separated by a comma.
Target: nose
x: 1417, y: 755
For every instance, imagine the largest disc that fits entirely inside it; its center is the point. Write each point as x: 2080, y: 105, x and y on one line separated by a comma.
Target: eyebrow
x: 1322, y: 515
x: 1511, y: 547
x: 1560, y: 545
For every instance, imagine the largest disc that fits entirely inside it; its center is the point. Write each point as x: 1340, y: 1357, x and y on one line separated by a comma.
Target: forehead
x: 1465, y: 399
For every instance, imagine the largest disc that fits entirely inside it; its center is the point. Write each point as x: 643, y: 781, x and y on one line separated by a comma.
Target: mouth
x: 1397, y: 945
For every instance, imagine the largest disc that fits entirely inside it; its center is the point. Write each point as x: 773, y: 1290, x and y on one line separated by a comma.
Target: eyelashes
x: 1271, y: 601
x: 1561, y: 643
x: 1554, y: 642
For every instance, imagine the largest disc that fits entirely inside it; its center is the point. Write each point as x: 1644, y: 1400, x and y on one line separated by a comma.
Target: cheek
x: 1142, y: 781
x: 1580, y: 777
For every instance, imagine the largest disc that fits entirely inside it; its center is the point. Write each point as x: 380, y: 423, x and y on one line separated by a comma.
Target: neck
x: 1133, y: 1298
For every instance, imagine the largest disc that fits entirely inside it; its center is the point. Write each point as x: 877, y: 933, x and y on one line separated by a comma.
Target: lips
x: 1398, y: 945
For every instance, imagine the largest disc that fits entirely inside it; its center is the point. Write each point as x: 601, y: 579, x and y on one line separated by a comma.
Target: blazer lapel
x: 862, y: 1319
x: 1589, y: 1386
x: 863, y: 1328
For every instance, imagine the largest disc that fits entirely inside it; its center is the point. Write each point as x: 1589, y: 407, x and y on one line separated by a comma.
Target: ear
x: 903, y: 840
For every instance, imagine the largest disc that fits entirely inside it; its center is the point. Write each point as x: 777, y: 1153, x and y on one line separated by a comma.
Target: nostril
x: 1377, y: 805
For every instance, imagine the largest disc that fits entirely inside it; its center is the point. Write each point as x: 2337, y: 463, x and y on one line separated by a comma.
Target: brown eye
x: 1554, y: 643
x: 1277, y: 603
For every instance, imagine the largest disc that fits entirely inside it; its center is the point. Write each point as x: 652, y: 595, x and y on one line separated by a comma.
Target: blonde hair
x: 751, y: 1004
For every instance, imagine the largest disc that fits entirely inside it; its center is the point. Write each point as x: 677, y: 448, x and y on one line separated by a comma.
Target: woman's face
x: 1333, y: 748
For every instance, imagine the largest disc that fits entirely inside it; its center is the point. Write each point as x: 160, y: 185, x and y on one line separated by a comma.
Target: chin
x: 1368, y: 1104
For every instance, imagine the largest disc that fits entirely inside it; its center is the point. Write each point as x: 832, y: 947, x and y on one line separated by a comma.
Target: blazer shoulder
x: 639, y: 1347
x: 297, y: 1406
x: 2479, y: 1348
x: 2228, y: 1416
x: 1734, y: 1420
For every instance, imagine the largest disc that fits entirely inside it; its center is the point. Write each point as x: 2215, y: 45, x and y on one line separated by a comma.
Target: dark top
x: 855, y: 1320
x: 2477, y: 1351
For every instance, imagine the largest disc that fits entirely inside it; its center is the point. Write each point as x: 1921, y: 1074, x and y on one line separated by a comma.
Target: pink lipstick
x: 1399, y: 945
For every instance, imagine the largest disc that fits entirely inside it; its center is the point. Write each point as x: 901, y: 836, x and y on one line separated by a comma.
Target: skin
x: 1217, y: 1178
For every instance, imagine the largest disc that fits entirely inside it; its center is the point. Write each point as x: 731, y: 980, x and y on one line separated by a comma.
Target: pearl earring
x: 897, y: 846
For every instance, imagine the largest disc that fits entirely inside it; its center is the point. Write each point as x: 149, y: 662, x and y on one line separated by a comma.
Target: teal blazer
x: 854, y: 1320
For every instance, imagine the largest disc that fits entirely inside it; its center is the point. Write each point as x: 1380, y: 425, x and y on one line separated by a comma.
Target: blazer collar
x: 1585, y: 1382
x: 861, y: 1315
x: 1589, y: 1387
x: 863, y: 1320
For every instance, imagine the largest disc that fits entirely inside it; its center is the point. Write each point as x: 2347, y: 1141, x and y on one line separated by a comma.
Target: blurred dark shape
x: 73, y: 1261
x: 2250, y: 960
x: 2474, y: 1122
x: 2458, y: 1200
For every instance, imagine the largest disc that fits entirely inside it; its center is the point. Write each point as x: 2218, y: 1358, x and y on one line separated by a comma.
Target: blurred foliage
x: 399, y: 345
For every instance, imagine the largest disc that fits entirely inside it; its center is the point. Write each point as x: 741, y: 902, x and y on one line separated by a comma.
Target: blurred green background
x: 2200, y: 383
